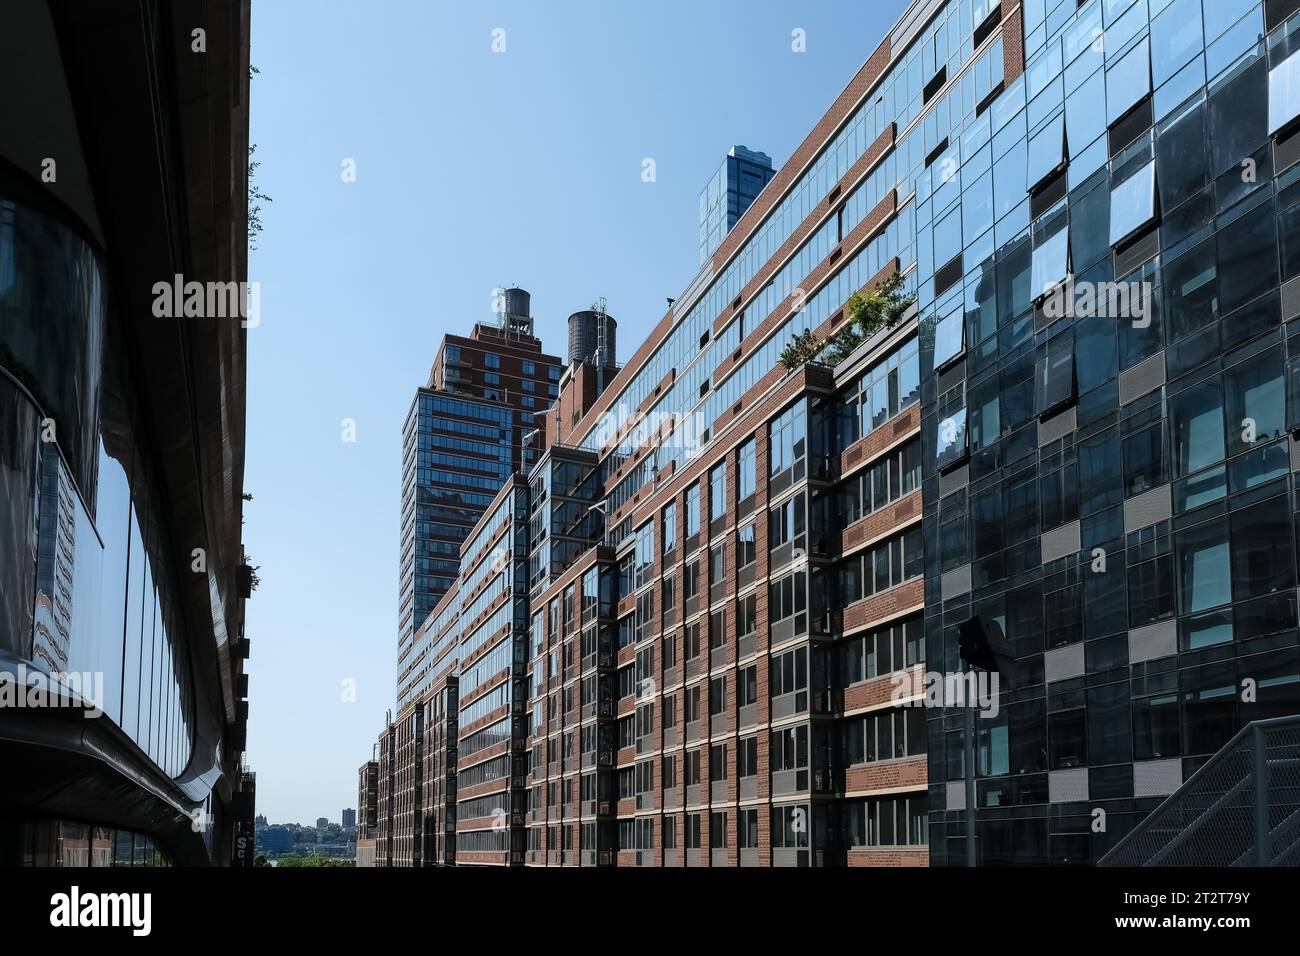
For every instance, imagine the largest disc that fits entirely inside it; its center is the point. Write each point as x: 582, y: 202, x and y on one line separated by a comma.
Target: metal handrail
x: 1256, y: 781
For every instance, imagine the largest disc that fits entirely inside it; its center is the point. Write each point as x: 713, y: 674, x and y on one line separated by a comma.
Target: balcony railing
x: 1241, y: 808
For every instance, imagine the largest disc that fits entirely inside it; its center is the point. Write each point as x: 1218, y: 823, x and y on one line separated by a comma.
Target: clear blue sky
x: 474, y: 170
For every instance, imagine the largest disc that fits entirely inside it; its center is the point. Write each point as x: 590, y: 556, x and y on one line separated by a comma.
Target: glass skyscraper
x: 464, y: 436
x: 446, y: 490
x: 735, y: 185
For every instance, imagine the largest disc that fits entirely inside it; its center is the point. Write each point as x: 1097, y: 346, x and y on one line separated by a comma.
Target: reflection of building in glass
x: 55, y: 570
x: 121, y: 448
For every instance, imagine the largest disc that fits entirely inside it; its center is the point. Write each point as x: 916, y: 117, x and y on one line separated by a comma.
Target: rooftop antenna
x: 505, y: 314
x: 602, y: 342
x: 499, y: 307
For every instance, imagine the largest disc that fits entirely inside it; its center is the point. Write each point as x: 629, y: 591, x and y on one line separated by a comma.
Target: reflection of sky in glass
x: 951, y: 437
x: 948, y: 338
x: 1284, y: 93
x: 1133, y: 203
x: 1175, y: 38
x: 1085, y: 113
x: 1046, y: 150
x: 1051, y: 261
x: 1127, y: 82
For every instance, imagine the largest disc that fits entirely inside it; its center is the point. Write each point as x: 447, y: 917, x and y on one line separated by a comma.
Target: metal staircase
x: 1242, y: 808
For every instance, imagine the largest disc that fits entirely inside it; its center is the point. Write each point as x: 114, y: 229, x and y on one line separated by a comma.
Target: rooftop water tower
x: 592, y: 336
x: 516, y: 311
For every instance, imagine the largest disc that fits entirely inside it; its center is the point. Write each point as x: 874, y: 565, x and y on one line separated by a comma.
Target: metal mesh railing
x: 1242, y: 808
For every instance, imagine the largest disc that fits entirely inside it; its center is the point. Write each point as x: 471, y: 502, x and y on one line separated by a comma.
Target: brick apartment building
x: 467, y: 431
x: 726, y: 561
x: 733, y: 572
x: 367, y: 812
x: 690, y: 700
x: 720, y: 569
x: 688, y: 542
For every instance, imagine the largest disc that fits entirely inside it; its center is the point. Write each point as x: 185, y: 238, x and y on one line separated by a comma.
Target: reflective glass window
x: 1085, y: 113
x: 1056, y: 374
x: 949, y: 338
x: 977, y: 205
x: 1175, y: 38
x: 1245, y: 33
x: 1238, y: 113
x: 1046, y: 150
x: 1289, y: 234
x: 1209, y: 706
x: 1221, y: 14
x: 1196, y: 427
x: 951, y: 439
x: 1089, y: 224
x: 1247, y: 257
x: 1009, y: 180
x: 1204, y: 573
x: 1191, y: 290
x: 1180, y: 156
x: 1263, y: 560
x: 1255, y: 399
x: 1133, y: 203
x: 1128, y: 81
x: 1051, y: 261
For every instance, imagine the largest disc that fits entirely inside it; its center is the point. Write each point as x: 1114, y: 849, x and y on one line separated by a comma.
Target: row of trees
x: 314, y: 859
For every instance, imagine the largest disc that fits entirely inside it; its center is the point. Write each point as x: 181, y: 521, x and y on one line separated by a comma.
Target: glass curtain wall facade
x: 457, y: 453
x: 467, y: 432
x: 84, y: 532
x: 121, y: 450
x: 1110, y: 486
x: 735, y: 185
